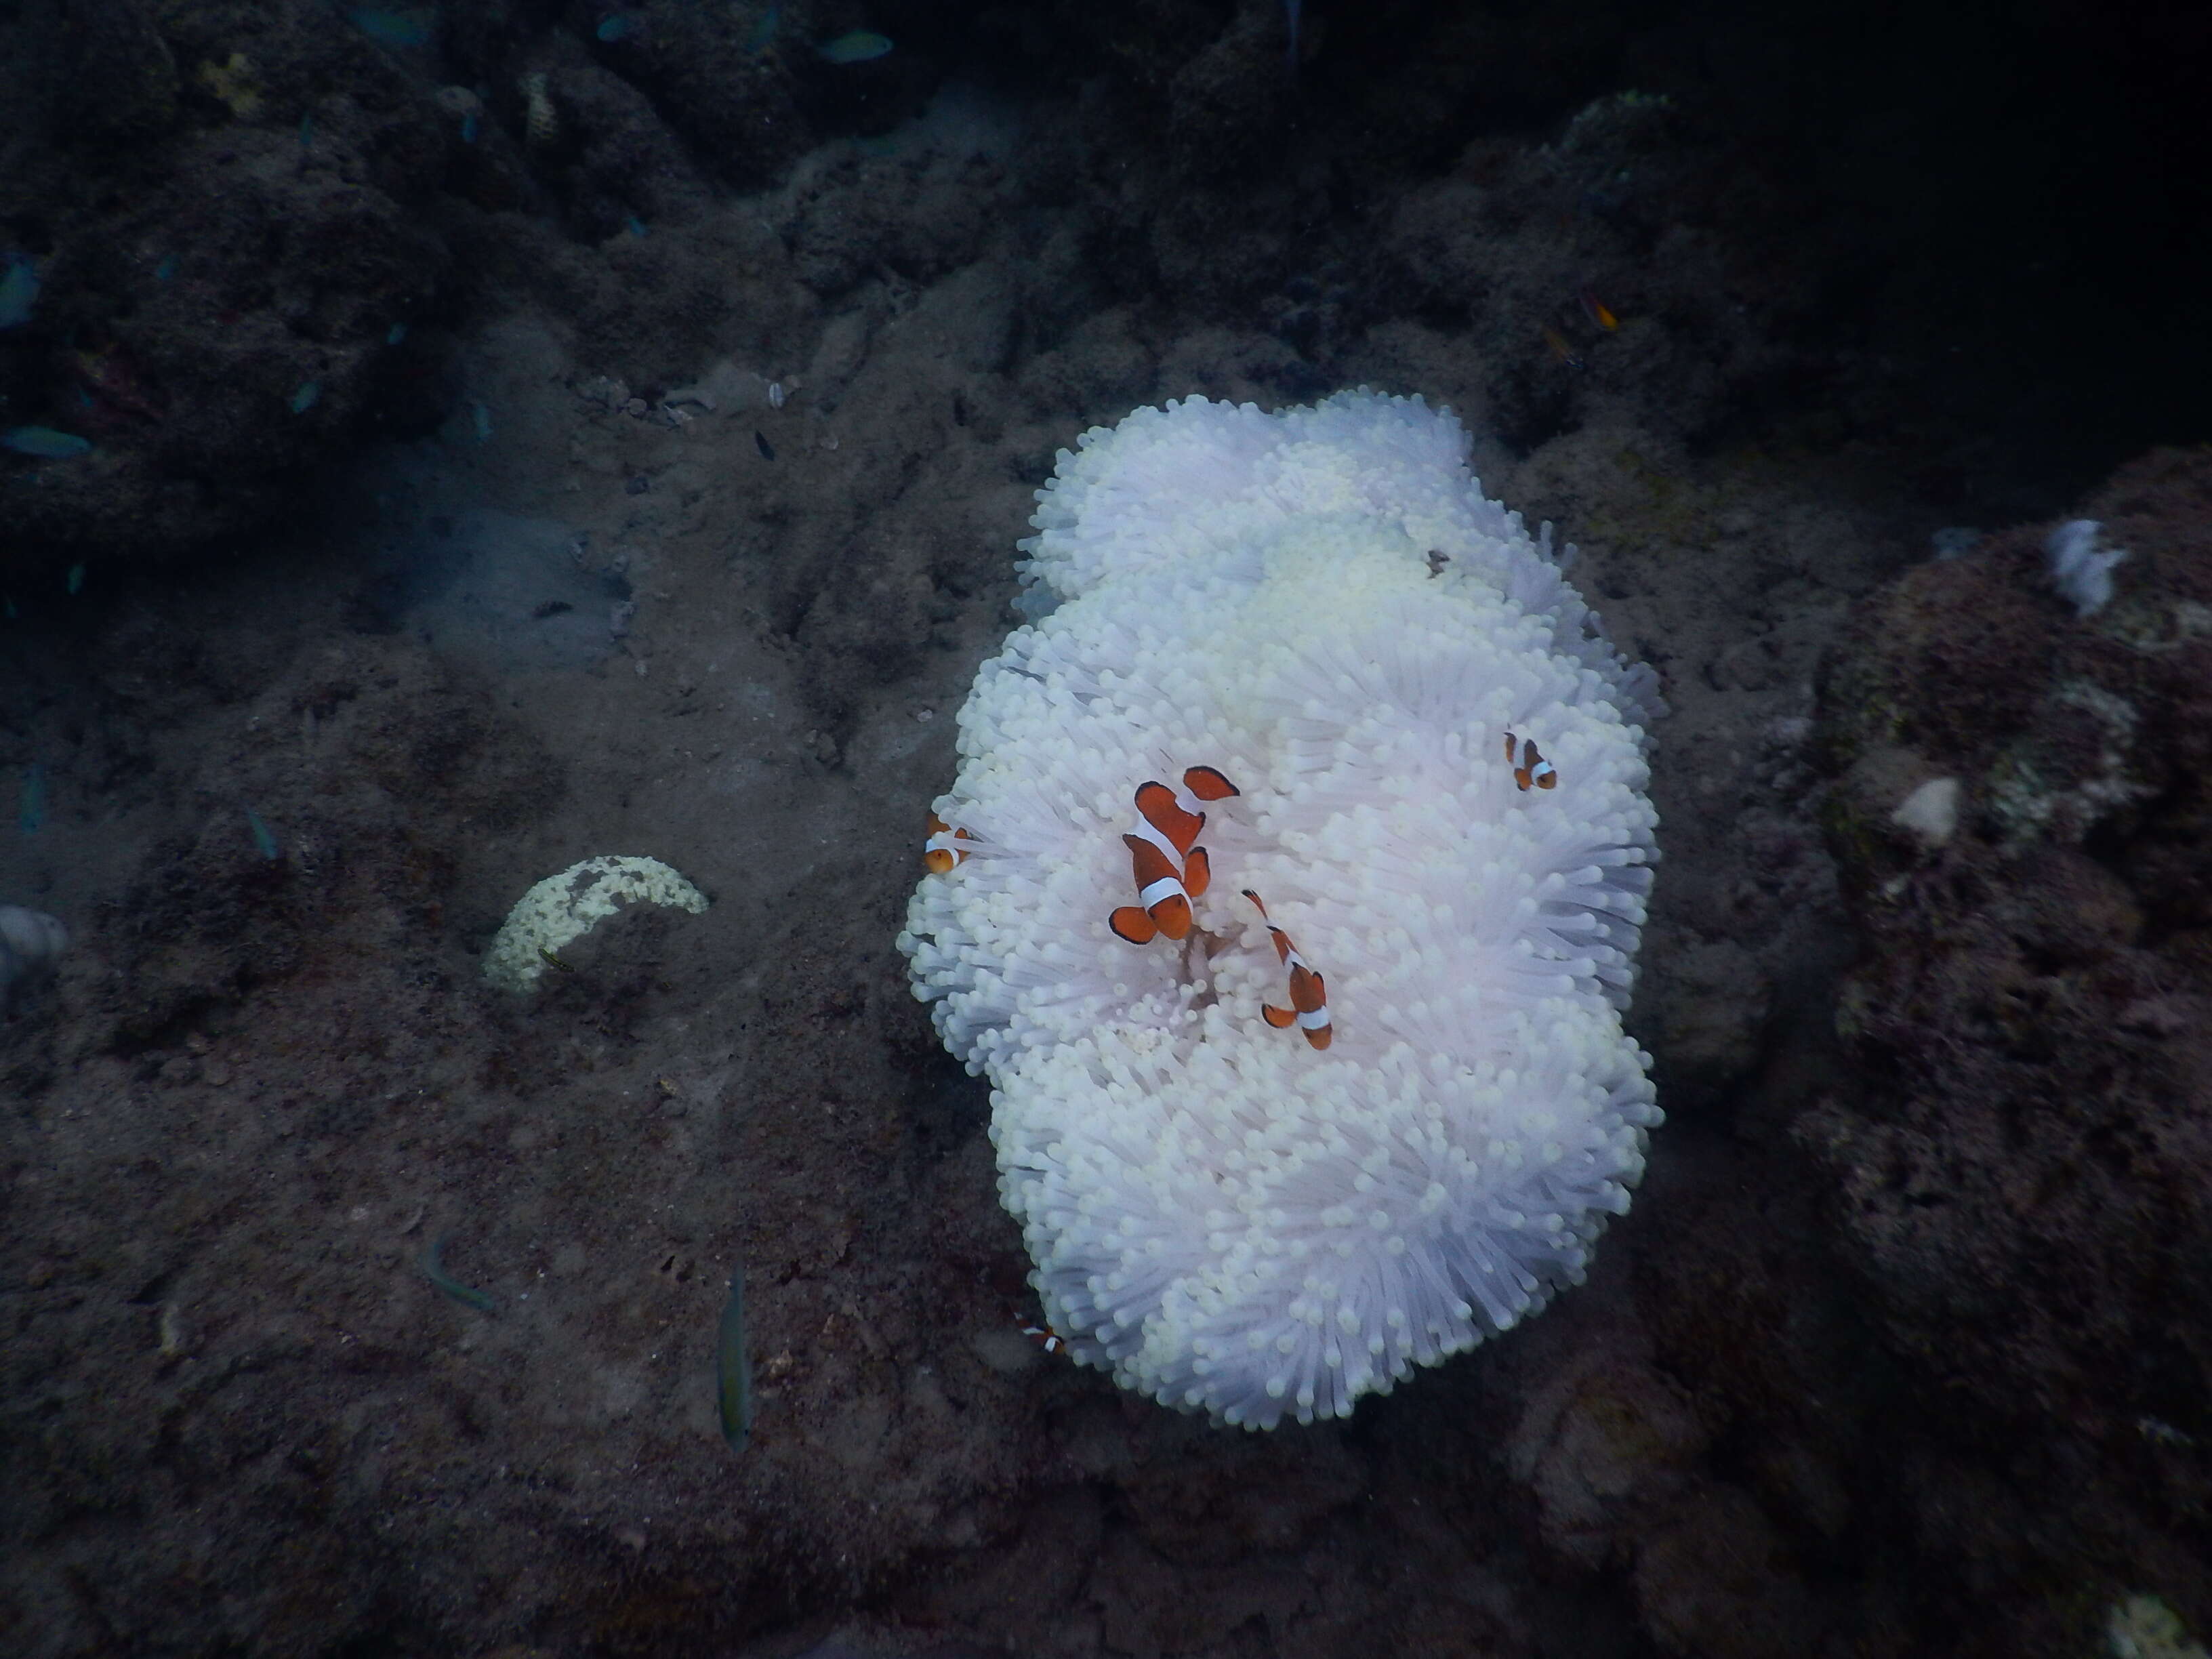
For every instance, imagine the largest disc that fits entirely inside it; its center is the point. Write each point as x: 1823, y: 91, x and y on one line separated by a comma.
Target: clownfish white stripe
x: 1166, y: 887
x: 1147, y: 830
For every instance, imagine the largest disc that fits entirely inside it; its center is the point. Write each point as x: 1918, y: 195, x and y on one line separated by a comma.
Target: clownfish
x: 945, y: 847
x: 1532, y: 767
x: 1309, y: 1009
x: 1170, y: 870
x: 1045, y: 1337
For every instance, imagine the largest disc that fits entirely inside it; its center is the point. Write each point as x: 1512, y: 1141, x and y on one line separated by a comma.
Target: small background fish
x: 858, y: 47
x: 733, y: 1367
x: 19, y: 292
x: 44, y: 442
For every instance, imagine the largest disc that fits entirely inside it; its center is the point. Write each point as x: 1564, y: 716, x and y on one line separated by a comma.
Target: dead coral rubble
x: 2024, y: 1185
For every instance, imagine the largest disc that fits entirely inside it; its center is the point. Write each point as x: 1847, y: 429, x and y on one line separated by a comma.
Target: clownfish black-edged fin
x: 1207, y: 784
x: 1197, y: 873
x: 1134, y: 925
x: 1281, y: 1018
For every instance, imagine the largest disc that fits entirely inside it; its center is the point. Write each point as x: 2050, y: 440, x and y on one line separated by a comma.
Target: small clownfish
x: 1169, y: 869
x: 1045, y: 1337
x: 945, y: 847
x: 1532, y: 767
x: 1598, y: 311
x: 1309, y: 1009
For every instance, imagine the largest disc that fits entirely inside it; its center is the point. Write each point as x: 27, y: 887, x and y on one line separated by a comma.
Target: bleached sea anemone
x: 1320, y: 604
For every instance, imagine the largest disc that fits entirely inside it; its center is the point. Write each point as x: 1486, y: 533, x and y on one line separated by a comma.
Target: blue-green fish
x: 480, y: 418
x: 31, y: 805
x: 858, y: 47
x: 394, y: 28
x: 44, y: 442
x: 763, y: 30
x: 733, y: 1367
x: 304, y: 398
x: 467, y: 1295
x: 395, y: 334
x: 167, y: 268
x: 264, y: 840
x: 75, y: 580
x: 617, y: 26
x: 19, y: 292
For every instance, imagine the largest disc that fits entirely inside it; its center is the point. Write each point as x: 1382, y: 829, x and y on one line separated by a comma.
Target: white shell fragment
x: 1321, y: 604
x: 1931, y: 811
x: 562, y: 909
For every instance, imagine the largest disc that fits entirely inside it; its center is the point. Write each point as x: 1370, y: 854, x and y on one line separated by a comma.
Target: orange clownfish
x: 1169, y: 869
x: 945, y: 847
x: 1309, y: 1009
x: 1045, y: 1337
x: 1532, y: 767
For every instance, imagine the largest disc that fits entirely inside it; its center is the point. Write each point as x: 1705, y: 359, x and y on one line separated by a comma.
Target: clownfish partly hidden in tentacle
x: 945, y: 847
x: 1531, y: 768
x: 1168, y: 868
x: 1309, y: 1009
